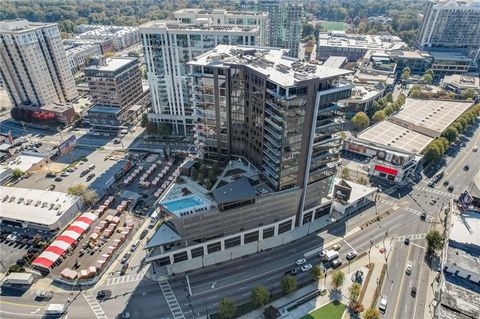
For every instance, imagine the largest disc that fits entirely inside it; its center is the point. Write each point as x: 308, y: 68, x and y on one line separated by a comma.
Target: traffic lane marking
x: 399, y: 292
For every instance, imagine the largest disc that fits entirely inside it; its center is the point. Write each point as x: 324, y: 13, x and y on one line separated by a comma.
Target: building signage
x: 386, y: 170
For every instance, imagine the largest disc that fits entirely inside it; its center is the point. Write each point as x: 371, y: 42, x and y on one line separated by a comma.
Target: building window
x: 250, y: 237
x: 197, y: 252
x: 164, y: 261
x: 285, y: 226
x: 307, y: 218
x: 322, y: 211
x: 268, y: 232
x: 180, y: 257
x: 211, y: 248
x: 232, y: 242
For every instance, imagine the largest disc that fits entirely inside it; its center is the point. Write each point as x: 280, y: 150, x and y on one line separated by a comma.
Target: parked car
x: 51, y: 175
x: 414, y: 292
x: 71, y: 169
x: 291, y: 272
x: 337, y: 263
x: 143, y: 234
x: 116, y: 141
x: 306, y: 267
x: 65, y: 174
x: 382, y: 305
x: 90, y: 177
x: 83, y: 173
x: 134, y: 246
x: 125, y: 258
x: 51, y: 187
x: 336, y: 247
x: 450, y: 188
x: 300, y: 261
x: 351, y: 255
x: 466, y: 167
x: 446, y: 182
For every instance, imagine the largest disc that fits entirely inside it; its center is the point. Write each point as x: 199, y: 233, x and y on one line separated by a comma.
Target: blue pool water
x: 183, y: 203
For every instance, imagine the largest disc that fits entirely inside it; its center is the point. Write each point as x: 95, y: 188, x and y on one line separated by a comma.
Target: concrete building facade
x: 285, y: 26
x: 33, y: 64
x: 168, y: 46
x: 79, y: 55
x: 451, y: 25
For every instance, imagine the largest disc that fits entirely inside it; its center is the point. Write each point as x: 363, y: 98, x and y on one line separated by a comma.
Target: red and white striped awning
x: 63, y: 242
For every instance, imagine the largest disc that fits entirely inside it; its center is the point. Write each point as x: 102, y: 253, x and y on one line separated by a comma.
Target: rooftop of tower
x: 271, y: 62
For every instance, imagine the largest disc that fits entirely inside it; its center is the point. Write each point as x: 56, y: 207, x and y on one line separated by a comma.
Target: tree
x: 317, y: 272
x: 354, y: 291
x: 345, y: 172
x: 108, y: 54
x: 203, y: 170
x: 362, y: 180
x: 468, y: 94
x: 432, y: 152
x: 211, y: 175
x: 17, y: 173
x: 360, y: 120
x: 371, y: 313
x: 429, y: 72
x: 144, y: 121
x: 271, y: 313
x: 200, y: 177
x: 133, y: 54
x: 289, y: 284
x: 226, y: 308
x: 337, y: 280
x: 376, y: 106
x: 356, y: 307
x: 208, y: 183
x: 216, y: 168
x: 406, y: 69
x: 405, y: 75
x: 89, y: 197
x: 389, y: 97
x: 434, y: 241
x: 451, y: 134
x: 379, y: 116
x: 76, y: 190
x: 428, y: 78
x: 260, y: 296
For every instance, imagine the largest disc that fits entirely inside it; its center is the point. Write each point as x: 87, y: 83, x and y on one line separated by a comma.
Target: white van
x: 55, y: 309
x: 92, y: 166
x: 382, y: 306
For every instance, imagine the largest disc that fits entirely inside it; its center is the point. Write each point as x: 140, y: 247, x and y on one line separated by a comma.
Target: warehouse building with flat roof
x: 40, y: 209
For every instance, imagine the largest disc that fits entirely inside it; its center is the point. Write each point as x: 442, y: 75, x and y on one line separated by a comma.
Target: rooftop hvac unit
x: 5, y: 198
x: 29, y: 202
x: 44, y: 204
x: 20, y: 200
x: 12, y: 198
x: 51, y: 206
x: 38, y: 202
x: 58, y: 207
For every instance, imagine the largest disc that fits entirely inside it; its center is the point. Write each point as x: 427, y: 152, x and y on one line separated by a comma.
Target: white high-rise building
x: 451, y: 25
x: 33, y: 64
x: 169, y: 45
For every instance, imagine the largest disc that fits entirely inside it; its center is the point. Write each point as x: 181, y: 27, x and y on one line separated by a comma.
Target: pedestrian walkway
x: 411, y: 237
x: 94, y: 305
x: 124, y: 279
x: 171, y: 300
x: 436, y: 191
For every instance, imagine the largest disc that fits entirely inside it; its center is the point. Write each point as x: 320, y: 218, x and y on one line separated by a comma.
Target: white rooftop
x: 271, y: 62
x: 205, y: 27
x: 431, y: 114
x: 24, y: 161
x: 360, y: 41
x: 395, y: 136
x: 32, y: 205
x: 112, y: 64
x: 466, y: 228
x: 22, y: 25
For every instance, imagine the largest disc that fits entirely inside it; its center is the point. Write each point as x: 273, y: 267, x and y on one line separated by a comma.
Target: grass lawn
x: 329, y: 311
x: 334, y: 25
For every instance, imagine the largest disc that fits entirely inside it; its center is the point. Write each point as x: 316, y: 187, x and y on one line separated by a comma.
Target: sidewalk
x: 376, y: 258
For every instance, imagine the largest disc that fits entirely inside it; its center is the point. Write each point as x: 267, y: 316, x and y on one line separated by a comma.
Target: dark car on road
x: 407, y: 241
x: 414, y: 292
x: 58, y: 179
x: 450, y: 188
x: 51, y: 175
x: 143, y: 234
x: 83, y: 173
x: 90, y: 177
x: 103, y: 294
x: 124, y: 269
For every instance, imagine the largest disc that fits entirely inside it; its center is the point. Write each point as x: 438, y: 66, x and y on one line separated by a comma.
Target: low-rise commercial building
x: 459, y: 83
x: 362, y: 98
x: 79, y: 55
x: 354, y: 46
x: 121, y: 36
x: 395, y: 144
x: 40, y: 209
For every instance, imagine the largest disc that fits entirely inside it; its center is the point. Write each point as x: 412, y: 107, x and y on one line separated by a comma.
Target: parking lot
x: 23, y: 242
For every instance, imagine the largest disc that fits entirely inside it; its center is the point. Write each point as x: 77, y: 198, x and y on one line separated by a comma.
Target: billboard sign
x: 67, y: 145
x: 342, y: 192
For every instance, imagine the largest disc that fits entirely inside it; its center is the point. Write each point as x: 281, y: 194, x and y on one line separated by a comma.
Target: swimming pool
x: 182, y: 204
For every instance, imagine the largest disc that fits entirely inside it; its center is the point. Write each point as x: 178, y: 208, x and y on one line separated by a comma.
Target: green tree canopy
x: 434, y: 241
x: 451, y: 134
x: 405, y: 75
x: 379, y: 116
x: 360, y: 120
x: 226, y: 308
x: 371, y: 313
x: 345, y: 172
x: 289, y: 284
x: 17, y: 173
x: 468, y: 94
x: 260, y: 295
x: 429, y: 72
x: 354, y: 291
x: 389, y: 97
x: 428, y: 78
x: 317, y: 272
x: 337, y: 279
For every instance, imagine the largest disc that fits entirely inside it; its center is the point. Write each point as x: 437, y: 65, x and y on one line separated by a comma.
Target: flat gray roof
x: 396, y: 136
x: 164, y: 235
x: 432, y: 114
x: 112, y: 64
x: 238, y: 190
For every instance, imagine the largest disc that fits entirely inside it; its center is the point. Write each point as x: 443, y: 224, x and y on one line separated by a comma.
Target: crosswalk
x: 94, y: 305
x: 124, y: 279
x: 436, y: 191
x: 411, y: 237
x: 171, y: 300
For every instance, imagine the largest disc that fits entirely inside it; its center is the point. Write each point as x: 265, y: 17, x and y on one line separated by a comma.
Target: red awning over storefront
x: 386, y: 170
